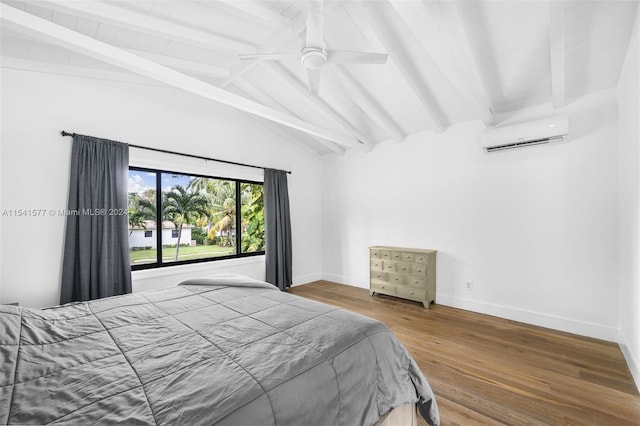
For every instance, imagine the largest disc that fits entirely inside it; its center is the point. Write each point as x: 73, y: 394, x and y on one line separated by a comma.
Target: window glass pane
x: 196, y: 220
x: 142, y: 213
x: 199, y: 217
x: 252, y: 220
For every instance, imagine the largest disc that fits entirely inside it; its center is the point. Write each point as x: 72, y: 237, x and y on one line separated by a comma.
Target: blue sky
x: 140, y: 181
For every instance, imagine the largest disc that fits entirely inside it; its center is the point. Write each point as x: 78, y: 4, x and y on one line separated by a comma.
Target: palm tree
x: 222, y: 205
x: 141, y: 208
x: 252, y: 217
x: 184, y: 207
x: 136, y: 220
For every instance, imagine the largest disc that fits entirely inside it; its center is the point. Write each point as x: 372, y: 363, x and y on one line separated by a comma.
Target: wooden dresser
x: 403, y: 272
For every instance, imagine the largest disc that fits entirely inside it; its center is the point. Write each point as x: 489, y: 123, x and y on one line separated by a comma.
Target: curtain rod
x: 164, y: 151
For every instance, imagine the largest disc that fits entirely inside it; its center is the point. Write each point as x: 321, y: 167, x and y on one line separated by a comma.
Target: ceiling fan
x: 314, y: 54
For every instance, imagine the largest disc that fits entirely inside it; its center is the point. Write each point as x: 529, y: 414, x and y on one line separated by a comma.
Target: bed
x: 223, y: 350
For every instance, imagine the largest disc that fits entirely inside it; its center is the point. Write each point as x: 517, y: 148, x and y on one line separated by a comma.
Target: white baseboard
x: 631, y: 363
x: 352, y: 281
x: 541, y: 319
x: 306, y: 279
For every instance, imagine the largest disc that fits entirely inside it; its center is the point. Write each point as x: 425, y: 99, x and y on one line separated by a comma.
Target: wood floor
x: 490, y: 371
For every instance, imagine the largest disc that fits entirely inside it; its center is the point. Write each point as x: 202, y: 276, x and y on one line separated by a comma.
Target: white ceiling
x: 448, y: 61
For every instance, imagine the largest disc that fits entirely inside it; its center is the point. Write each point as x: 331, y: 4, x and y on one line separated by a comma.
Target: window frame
x: 238, y: 225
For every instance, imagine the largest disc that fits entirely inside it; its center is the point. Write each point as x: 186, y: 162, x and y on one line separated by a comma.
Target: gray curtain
x: 277, y: 221
x: 96, y: 251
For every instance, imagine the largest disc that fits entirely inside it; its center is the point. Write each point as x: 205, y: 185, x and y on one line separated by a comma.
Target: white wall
x: 35, y: 163
x: 534, y: 228
x: 137, y: 238
x: 629, y: 205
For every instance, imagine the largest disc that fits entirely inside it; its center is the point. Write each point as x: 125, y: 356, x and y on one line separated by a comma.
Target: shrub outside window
x: 196, y: 218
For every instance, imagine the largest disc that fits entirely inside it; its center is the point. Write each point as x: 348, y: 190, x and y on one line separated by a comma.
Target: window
x: 196, y: 217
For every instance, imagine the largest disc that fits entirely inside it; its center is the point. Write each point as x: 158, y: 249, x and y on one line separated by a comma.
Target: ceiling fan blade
x: 267, y: 56
x: 349, y: 57
x: 313, y: 80
x: 314, y: 36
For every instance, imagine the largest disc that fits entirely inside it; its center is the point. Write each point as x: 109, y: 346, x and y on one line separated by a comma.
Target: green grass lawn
x: 186, y: 253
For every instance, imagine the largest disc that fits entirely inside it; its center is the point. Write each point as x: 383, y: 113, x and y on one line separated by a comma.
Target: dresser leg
x: 371, y: 292
x: 426, y: 305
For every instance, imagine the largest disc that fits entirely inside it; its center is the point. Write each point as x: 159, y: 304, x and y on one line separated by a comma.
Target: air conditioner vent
x: 523, y: 143
x: 537, y: 132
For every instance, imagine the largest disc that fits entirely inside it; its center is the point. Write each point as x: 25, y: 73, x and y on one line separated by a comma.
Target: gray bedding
x: 225, y: 350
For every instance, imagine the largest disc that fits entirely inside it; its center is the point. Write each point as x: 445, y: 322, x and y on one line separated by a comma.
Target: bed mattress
x: 223, y: 350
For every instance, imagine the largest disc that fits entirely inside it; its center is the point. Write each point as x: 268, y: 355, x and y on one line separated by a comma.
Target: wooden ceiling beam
x: 285, y: 135
x: 260, y: 96
x: 378, y: 15
x: 557, y: 50
x: 190, y: 67
x: 369, y: 105
x: 146, y: 24
x: 43, y: 29
x: 279, y: 72
x: 463, y: 59
x: 425, y: 30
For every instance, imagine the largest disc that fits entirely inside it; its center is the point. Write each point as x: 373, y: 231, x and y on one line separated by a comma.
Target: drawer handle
x: 408, y: 257
x: 411, y: 293
x: 404, y: 269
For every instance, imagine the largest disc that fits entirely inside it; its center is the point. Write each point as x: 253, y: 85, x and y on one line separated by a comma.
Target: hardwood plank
x: 490, y: 371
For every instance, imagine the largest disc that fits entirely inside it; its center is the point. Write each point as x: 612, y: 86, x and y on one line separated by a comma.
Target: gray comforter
x: 224, y: 350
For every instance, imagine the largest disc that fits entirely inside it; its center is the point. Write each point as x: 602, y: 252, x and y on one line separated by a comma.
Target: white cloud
x: 137, y: 184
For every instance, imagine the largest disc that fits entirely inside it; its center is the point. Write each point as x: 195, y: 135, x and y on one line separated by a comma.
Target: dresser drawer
x: 389, y: 266
x: 397, y: 279
x: 403, y: 267
x: 420, y: 258
x: 376, y: 265
x: 379, y: 276
x: 385, y: 288
x: 417, y: 282
x: 407, y: 257
x: 377, y: 254
x: 419, y: 269
x: 411, y: 293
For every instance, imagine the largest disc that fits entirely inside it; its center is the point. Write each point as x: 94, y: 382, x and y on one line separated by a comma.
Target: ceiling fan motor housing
x: 313, y: 58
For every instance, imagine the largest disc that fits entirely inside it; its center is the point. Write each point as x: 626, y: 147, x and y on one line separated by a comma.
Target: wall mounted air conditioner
x: 551, y: 129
